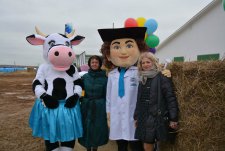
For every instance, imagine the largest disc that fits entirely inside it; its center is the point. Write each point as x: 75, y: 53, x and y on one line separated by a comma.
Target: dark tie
x: 121, y: 82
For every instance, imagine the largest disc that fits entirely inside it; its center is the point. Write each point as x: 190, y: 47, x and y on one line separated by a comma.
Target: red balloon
x: 130, y: 22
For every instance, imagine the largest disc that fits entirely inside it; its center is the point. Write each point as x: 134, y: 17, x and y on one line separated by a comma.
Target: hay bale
x: 200, y: 89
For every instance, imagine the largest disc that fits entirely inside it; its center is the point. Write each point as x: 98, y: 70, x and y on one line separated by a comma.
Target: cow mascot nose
x: 61, y: 57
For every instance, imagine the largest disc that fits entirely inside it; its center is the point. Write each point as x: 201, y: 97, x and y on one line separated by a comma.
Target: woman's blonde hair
x: 150, y: 56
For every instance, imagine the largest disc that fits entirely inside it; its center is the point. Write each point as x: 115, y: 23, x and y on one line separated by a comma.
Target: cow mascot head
x: 57, y: 48
x: 55, y: 116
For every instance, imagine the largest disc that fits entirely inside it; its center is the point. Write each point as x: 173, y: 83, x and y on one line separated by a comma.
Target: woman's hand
x: 166, y: 73
x: 173, y: 125
x: 135, y: 123
x: 108, y: 119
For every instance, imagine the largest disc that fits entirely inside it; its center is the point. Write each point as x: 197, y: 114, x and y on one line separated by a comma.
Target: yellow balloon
x: 146, y: 35
x: 141, y: 21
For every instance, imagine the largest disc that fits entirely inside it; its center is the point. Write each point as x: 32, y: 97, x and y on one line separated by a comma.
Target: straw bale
x: 200, y: 89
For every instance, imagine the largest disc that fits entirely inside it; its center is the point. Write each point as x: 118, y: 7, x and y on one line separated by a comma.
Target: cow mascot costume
x: 56, y: 116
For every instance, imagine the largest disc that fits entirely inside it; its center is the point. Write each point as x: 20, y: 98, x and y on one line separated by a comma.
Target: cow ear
x: 35, y: 39
x: 77, y: 40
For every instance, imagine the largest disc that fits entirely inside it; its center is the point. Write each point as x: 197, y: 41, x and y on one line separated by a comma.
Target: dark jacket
x: 153, y: 117
x: 93, y: 109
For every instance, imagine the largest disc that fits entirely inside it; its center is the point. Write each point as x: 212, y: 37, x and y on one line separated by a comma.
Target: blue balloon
x: 151, y: 25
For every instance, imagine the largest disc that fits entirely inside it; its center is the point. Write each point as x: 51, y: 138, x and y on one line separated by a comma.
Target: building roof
x: 188, y: 23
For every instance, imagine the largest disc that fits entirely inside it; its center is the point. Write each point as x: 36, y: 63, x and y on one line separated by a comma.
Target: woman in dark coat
x: 93, y: 106
x: 157, y: 107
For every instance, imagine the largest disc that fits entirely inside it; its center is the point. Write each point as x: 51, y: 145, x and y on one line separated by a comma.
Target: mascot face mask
x: 124, y: 52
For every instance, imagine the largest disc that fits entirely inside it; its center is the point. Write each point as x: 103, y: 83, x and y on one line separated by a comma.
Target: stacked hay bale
x: 200, y: 89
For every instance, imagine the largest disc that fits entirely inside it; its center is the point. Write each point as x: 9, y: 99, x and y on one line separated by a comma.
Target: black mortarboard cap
x: 119, y: 33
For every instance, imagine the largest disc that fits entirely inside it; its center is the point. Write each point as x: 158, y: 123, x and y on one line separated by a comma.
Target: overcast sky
x: 19, y: 17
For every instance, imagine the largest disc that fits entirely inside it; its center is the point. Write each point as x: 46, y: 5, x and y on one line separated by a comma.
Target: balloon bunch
x: 151, y: 40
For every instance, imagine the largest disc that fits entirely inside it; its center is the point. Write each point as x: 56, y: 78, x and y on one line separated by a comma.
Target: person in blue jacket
x: 93, y: 106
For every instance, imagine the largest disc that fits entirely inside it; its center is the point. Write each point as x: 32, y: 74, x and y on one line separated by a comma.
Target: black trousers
x: 134, y: 145
x: 51, y: 146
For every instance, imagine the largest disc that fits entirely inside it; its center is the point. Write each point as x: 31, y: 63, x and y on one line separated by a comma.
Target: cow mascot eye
x: 51, y: 43
x: 67, y: 44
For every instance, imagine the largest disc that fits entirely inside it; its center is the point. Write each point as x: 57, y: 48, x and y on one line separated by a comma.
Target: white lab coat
x: 122, y: 109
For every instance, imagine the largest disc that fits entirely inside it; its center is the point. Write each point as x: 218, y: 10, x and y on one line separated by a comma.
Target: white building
x: 201, y: 38
x: 83, y: 57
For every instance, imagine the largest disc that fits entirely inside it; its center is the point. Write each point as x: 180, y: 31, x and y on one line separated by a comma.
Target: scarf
x: 144, y: 75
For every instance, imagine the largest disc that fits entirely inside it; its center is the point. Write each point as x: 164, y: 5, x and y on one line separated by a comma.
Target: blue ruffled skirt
x: 60, y: 124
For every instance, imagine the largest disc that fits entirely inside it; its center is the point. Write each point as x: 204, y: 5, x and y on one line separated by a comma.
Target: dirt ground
x: 16, y: 101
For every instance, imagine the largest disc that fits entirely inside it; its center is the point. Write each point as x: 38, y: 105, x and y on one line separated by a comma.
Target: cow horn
x: 39, y: 32
x: 70, y: 34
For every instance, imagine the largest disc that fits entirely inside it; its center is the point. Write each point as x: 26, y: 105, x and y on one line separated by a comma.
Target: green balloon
x: 224, y: 4
x: 152, y: 41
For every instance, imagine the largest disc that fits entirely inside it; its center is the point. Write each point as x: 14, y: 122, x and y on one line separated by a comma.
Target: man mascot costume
x: 56, y: 116
x: 121, y: 49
